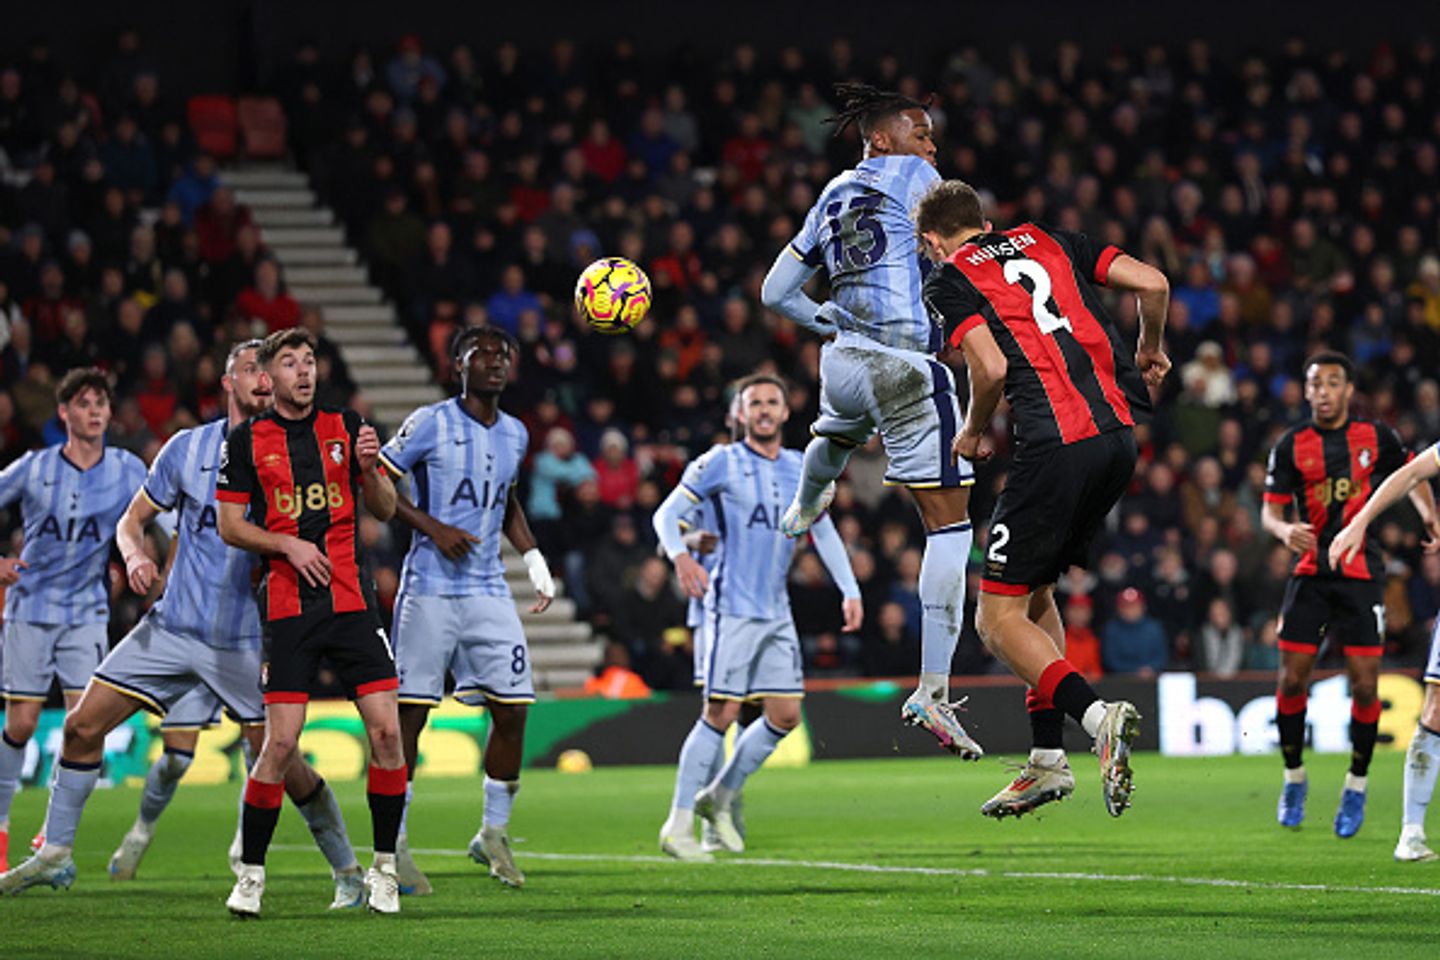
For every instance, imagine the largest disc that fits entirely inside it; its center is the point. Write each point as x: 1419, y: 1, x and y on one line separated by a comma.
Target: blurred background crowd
x: 1289, y: 193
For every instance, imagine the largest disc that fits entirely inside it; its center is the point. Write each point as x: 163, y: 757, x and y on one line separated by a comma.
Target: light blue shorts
x: 197, y: 710
x: 161, y: 669
x: 37, y: 653
x: 908, y: 396
x: 477, y: 639
x: 749, y: 659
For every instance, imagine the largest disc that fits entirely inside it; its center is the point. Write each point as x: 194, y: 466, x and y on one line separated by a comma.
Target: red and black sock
x: 1290, y: 722
x: 257, y: 822
x: 1364, y: 729
x: 387, y: 805
x: 1062, y: 685
x: 1047, y: 722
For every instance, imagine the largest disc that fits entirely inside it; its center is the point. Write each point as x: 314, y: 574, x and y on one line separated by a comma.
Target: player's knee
x: 278, y: 750
x: 784, y: 716
x: 720, y: 714
x: 1364, y: 693
x: 82, y: 732
x: 509, y: 720
x: 385, y: 738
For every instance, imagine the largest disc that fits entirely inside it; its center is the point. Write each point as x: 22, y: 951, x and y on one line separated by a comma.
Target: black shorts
x: 1054, y: 502
x: 354, y: 643
x: 1320, y: 610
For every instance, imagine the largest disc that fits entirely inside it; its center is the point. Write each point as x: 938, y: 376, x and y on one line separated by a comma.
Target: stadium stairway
x: 320, y: 268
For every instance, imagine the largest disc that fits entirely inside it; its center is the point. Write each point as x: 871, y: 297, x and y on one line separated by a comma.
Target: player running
x: 1021, y: 307
x: 298, y: 472
x: 1328, y: 468
x: 1422, y: 758
x: 752, y: 649
x: 198, y: 645
x: 455, y: 611
x: 57, y: 599
x: 879, y: 371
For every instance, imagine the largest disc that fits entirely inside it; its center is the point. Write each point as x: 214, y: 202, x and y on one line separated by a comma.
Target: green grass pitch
x: 1197, y: 868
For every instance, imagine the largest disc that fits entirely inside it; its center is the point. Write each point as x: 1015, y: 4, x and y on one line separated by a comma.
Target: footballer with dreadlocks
x: 879, y: 371
x: 454, y: 610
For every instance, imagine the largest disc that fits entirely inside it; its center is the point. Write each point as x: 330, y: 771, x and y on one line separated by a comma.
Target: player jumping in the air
x: 455, y: 611
x: 199, y: 643
x: 288, y: 485
x: 1422, y: 758
x: 752, y: 648
x: 1327, y: 468
x: 1021, y: 306
x: 879, y: 371
x: 56, y: 603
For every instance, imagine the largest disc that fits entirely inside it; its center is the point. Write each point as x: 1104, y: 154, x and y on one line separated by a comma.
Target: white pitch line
x: 844, y: 867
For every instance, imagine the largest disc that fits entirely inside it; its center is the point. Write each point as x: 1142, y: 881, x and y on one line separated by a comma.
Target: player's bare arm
x: 517, y: 531
x: 987, y: 369
x: 1299, y: 537
x: 308, y: 560
x: 452, y: 542
x: 375, y: 485
x: 1152, y: 291
x: 140, y: 570
x: 1414, y: 476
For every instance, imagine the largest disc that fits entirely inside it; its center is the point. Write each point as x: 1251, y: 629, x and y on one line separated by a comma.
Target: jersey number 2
x: 1047, y: 319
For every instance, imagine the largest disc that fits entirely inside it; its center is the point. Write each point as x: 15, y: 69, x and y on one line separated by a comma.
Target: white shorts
x: 478, y: 639
x: 37, y: 653
x: 160, y: 669
x: 197, y: 710
x: 750, y: 659
x: 908, y: 396
x: 1432, y: 668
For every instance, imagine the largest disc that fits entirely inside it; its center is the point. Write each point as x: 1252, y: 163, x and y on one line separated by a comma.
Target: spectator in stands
x: 266, y: 304
x: 409, y: 67
x: 512, y: 299
x: 218, y: 224
x: 556, y: 471
x: 1082, y: 647
x: 194, y: 190
x: 1133, y: 642
x: 1222, y: 642
x: 616, y: 472
x: 893, y: 650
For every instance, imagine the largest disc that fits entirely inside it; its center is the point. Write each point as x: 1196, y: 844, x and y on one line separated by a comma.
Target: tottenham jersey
x: 209, y: 594
x: 69, y: 516
x: 462, y: 474
x: 746, y: 493
x: 862, y: 231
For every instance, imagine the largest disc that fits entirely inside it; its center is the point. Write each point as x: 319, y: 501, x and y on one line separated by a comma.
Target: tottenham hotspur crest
x: 1365, y: 458
x: 337, y: 452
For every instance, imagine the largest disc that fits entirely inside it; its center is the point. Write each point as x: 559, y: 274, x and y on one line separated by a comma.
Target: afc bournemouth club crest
x: 1365, y: 459
x: 337, y: 451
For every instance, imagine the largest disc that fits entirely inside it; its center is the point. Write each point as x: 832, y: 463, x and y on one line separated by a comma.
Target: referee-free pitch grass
x: 847, y: 859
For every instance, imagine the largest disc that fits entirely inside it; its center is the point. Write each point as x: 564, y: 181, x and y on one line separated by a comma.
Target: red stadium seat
x: 263, y: 122
x: 212, y: 120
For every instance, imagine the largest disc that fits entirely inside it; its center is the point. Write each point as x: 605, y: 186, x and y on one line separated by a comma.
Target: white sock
x: 12, y: 759
x: 1420, y: 770
x: 1355, y: 783
x: 942, y: 598
x: 1296, y: 775
x: 1047, y: 757
x: 752, y: 749
x: 499, y: 799
x: 1093, y: 715
x: 405, y: 814
x: 697, y: 758
x: 824, y: 461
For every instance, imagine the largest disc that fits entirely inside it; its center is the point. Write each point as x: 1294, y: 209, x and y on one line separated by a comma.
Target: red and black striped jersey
x: 1328, y: 475
x: 302, y: 478
x: 1069, y: 376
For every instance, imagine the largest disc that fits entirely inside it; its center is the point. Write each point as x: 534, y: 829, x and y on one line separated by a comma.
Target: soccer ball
x: 573, y: 761
x: 613, y: 294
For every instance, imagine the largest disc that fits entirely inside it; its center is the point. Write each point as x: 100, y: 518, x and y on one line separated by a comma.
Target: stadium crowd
x: 1292, y: 196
